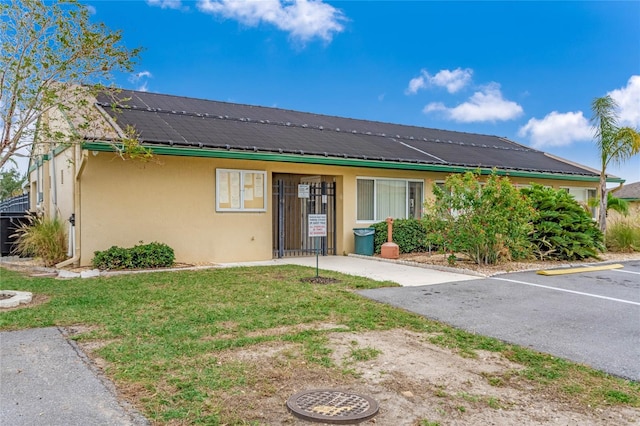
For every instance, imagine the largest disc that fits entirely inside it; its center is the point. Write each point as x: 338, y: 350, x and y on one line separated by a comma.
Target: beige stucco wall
x: 172, y: 200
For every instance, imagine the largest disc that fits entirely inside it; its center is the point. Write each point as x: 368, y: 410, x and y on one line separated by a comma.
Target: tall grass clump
x: 42, y: 238
x: 623, y: 234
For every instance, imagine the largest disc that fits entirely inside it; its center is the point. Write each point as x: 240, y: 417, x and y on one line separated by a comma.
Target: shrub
x: 488, y: 223
x: 563, y: 229
x: 152, y: 255
x: 623, y: 235
x: 409, y: 234
x: 42, y: 238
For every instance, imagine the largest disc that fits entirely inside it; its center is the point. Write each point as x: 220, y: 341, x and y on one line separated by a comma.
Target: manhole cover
x: 332, y: 406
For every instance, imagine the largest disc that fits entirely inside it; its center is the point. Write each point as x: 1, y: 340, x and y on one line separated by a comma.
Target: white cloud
x: 628, y: 99
x: 557, y: 129
x: 140, y: 79
x: 303, y: 19
x: 485, y: 105
x: 453, y: 81
x: 166, y: 4
x: 416, y: 84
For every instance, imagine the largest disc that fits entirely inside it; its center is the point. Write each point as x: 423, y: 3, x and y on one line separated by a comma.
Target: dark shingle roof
x: 172, y: 120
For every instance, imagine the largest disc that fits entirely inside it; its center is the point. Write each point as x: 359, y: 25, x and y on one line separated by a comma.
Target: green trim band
x: 334, y: 161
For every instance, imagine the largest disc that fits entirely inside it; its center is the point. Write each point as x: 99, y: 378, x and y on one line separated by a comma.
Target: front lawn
x: 165, y: 338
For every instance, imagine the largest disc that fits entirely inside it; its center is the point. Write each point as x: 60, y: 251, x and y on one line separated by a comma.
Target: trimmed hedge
x: 409, y: 234
x: 152, y: 255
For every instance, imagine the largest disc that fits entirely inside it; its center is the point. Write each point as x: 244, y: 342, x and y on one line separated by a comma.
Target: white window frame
x: 375, y: 196
x: 593, y: 210
x: 242, y: 193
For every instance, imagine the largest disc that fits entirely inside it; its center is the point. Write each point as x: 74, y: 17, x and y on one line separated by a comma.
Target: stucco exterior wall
x: 172, y: 200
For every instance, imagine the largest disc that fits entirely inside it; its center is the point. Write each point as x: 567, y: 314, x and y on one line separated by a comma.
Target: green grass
x: 164, y: 334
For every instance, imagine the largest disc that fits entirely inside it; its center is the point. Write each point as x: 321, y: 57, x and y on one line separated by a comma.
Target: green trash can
x: 364, y: 240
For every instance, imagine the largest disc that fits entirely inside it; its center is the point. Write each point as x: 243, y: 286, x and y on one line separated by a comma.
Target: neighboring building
x: 630, y: 193
x: 234, y: 182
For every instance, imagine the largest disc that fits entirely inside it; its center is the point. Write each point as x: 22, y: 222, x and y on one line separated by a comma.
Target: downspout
x: 74, y: 220
x: 54, y: 189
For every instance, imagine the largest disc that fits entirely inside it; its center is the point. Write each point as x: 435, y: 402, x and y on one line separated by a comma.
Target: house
x: 233, y: 182
x: 630, y: 193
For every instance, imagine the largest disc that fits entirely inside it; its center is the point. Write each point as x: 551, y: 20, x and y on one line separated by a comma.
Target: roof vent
x: 301, y: 152
x: 266, y: 121
x: 200, y: 145
x: 383, y: 135
x: 305, y: 126
x: 173, y: 112
x: 184, y: 112
x: 206, y: 114
x: 397, y: 136
x: 325, y: 154
x: 220, y: 117
x: 437, y: 140
x: 262, y: 121
x: 354, y: 131
x: 227, y: 146
x: 226, y: 116
x: 255, y: 149
x: 369, y: 133
x: 287, y: 124
x: 337, y: 129
x: 321, y: 127
x: 410, y: 137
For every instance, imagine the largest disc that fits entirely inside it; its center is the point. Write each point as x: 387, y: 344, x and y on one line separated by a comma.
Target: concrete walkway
x: 370, y: 267
x: 46, y: 380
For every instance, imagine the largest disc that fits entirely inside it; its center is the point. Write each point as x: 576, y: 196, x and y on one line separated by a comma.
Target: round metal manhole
x: 332, y: 406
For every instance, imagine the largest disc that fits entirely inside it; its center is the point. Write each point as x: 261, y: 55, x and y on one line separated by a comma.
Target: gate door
x: 290, y: 218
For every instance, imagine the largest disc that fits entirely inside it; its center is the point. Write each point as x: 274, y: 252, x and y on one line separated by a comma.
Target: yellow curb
x: 577, y: 270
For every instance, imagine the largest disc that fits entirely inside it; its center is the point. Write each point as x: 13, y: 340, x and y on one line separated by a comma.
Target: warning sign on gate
x: 317, y: 225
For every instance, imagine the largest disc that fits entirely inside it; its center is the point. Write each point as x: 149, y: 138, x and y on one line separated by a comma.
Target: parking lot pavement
x: 591, y: 318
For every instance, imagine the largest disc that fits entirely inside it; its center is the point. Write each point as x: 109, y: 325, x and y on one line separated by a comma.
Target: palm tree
x: 616, y: 145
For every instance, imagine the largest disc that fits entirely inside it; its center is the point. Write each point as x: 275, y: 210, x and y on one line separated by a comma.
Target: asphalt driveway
x: 591, y: 318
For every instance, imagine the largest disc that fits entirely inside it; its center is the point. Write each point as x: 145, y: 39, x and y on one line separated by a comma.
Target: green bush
x: 409, y: 234
x: 42, y: 238
x: 152, y: 255
x: 563, y: 229
x: 623, y: 235
x: 488, y: 222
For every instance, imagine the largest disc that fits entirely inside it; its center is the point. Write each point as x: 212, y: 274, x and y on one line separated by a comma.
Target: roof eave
x: 339, y: 161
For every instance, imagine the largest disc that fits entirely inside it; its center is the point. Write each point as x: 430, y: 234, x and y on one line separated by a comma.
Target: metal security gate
x: 290, y: 216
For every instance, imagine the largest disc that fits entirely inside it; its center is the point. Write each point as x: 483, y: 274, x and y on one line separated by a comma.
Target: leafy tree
x: 616, y: 145
x: 10, y: 183
x: 562, y: 229
x: 488, y: 223
x: 52, y: 57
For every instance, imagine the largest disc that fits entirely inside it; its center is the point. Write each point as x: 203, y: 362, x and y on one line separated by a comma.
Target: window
x: 378, y: 199
x: 241, y: 190
x: 583, y: 196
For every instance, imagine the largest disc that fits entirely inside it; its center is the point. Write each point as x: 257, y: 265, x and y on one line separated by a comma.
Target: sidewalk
x: 45, y: 379
x: 370, y: 267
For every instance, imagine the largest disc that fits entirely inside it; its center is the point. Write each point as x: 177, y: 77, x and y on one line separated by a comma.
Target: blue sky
x: 524, y: 70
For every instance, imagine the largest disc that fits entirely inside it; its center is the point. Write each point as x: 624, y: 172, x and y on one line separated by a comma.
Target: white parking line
x: 568, y: 291
x: 626, y: 272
